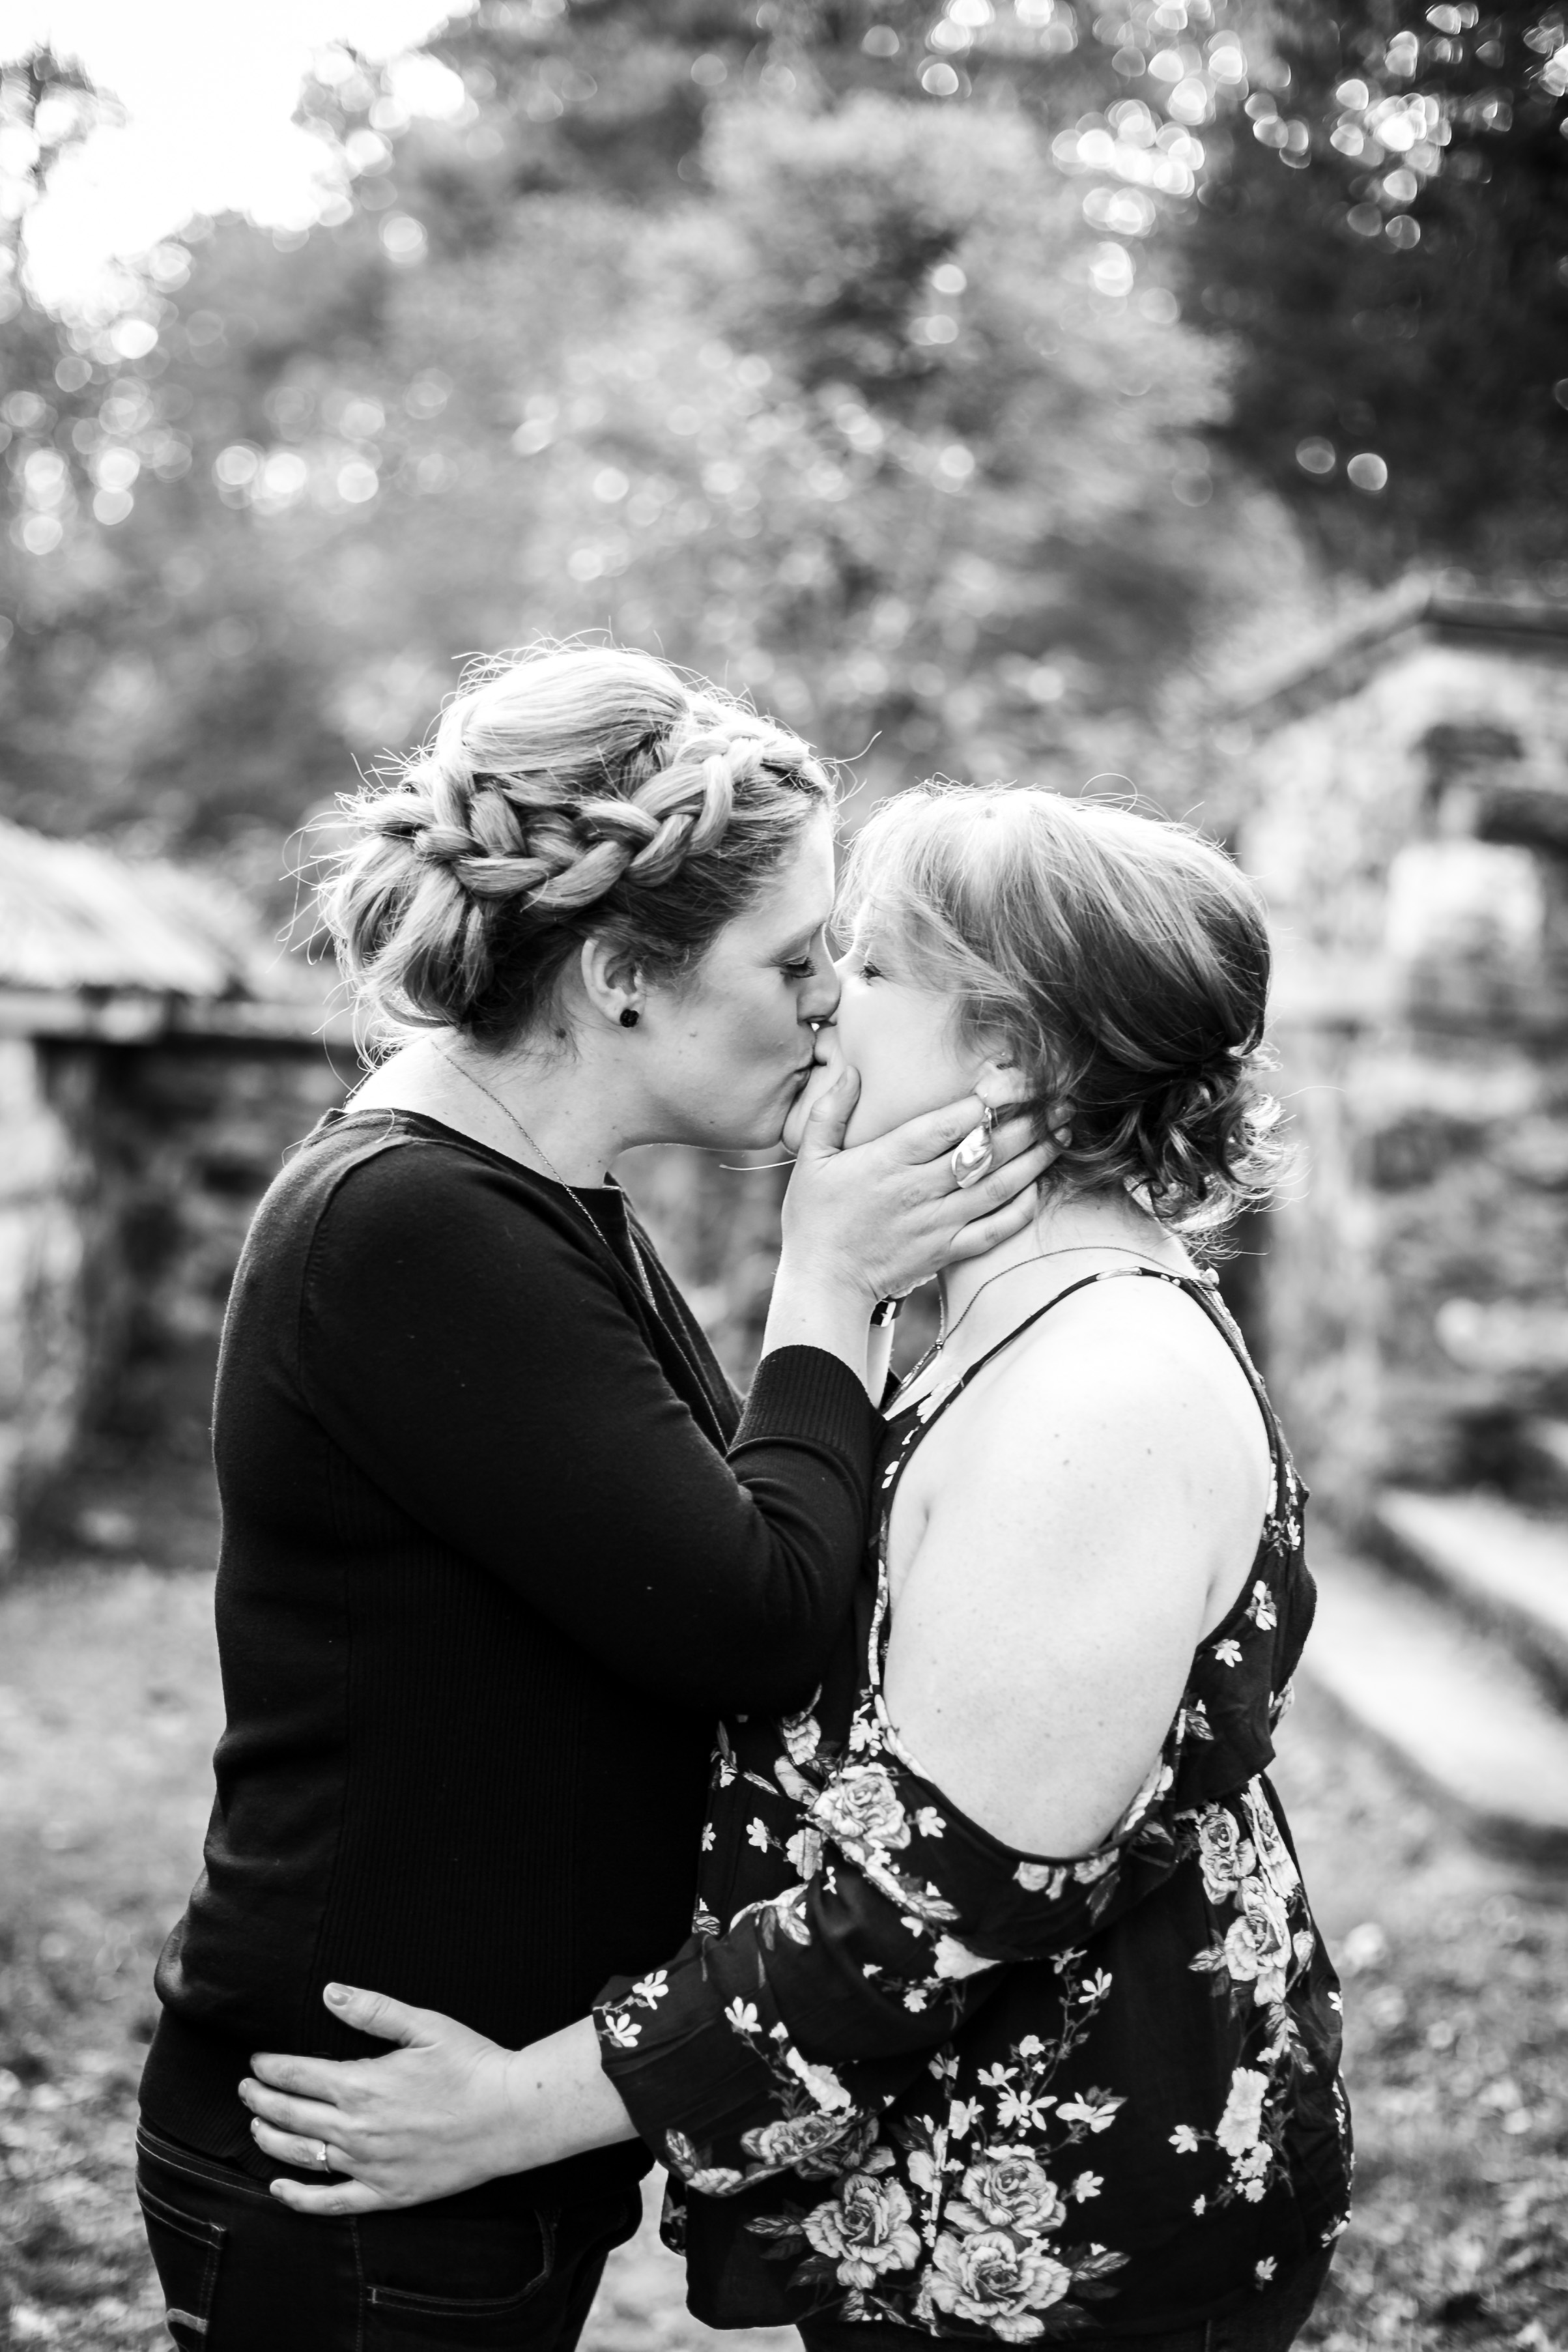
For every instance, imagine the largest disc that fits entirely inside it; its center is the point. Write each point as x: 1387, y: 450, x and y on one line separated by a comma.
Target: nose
x: 820, y: 997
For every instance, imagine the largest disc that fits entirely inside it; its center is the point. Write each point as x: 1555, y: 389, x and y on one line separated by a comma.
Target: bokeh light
x: 208, y: 95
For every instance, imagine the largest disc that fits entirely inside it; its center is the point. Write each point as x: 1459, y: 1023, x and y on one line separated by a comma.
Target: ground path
x: 1457, y: 1991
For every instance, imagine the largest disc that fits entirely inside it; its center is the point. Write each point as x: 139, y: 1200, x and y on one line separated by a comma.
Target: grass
x: 1457, y: 1993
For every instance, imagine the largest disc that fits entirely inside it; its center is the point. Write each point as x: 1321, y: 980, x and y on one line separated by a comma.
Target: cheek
x: 904, y: 1069
x: 743, y: 1029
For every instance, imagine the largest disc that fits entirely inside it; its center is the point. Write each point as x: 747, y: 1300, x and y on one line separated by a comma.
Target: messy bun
x: 1118, y: 961
x: 566, y: 792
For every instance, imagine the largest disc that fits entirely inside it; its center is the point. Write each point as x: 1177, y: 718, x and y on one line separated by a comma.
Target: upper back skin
x: 1062, y: 1539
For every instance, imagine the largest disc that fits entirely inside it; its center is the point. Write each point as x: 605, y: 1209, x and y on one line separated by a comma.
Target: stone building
x: 158, y: 1054
x: 1410, y: 779
x: 1410, y: 783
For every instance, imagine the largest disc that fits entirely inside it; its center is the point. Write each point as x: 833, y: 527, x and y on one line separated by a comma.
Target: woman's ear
x: 996, y: 1082
x: 610, y: 982
x: 999, y: 1083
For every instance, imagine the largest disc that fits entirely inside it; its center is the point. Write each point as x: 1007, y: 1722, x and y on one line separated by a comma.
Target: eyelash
x: 798, y: 969
x: 868, y: 970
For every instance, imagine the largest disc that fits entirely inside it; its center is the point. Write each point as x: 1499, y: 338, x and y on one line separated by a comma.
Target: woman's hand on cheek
x: 885, y: 1216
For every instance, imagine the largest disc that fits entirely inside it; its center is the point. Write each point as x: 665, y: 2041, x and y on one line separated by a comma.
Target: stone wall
x: 1412, y: 838
x: 128, y: 1174
x: 128, y: 1177
x: 43, y: 1341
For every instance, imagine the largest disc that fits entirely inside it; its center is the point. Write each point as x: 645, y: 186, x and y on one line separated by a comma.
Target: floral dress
x: 903, y: 2072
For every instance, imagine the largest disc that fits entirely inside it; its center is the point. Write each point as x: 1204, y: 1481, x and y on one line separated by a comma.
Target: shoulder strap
x: 1202, y: 1292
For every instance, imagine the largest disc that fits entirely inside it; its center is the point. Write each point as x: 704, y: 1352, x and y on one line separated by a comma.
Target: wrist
x: 556, y: 2100
x: 828, y: 1276
x: 518, y: 2114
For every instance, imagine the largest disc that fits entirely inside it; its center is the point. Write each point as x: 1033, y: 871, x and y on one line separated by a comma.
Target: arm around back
x: 491, y: 1372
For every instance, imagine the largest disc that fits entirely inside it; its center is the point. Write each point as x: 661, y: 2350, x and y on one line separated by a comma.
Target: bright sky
x: 209, y: 87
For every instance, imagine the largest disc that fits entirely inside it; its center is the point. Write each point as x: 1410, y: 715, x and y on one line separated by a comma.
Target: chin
x: 762, y: 1132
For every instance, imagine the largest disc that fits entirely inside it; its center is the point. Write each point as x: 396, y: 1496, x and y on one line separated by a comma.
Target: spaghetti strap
x: 1197, y: 1287
x: 1005, y: 1341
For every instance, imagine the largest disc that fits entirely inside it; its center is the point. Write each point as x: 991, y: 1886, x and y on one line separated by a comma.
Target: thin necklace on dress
x: 1069, y: 1249
x: 570, y: 1190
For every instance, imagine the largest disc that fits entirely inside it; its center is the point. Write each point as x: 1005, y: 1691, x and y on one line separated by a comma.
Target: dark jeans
x: 1269, y: 2322
x: 242, y: 2273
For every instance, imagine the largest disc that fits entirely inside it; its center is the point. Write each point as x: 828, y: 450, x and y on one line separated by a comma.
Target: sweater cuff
x: 806, y: 1396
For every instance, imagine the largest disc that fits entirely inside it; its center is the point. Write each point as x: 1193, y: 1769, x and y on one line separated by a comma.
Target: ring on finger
x: 318, y: 2159
x: 973, y: 1158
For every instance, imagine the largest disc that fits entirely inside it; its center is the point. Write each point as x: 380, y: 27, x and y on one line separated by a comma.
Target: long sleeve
x: 773, y: 2043
x: 479, y: 1359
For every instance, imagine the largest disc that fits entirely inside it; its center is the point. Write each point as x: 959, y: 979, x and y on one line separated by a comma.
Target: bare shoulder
x: 1136, y: 1365
x: 1096, y: 1506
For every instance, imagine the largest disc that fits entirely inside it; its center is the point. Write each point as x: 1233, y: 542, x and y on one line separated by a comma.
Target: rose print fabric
x: 903, y: 2072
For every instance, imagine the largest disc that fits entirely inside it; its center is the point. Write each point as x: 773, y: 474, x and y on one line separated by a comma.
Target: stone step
x: 1505, y: 1569
x: 1543, y: 1457
x: 1452, y: 1708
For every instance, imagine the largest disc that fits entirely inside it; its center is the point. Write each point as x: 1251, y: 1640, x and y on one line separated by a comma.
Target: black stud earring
x: 629, y: 1016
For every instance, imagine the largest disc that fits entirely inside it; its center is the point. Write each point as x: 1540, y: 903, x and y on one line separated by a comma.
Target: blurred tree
x: 936, y: 475
x: 162, y: 673
x: 878, y: 426
x: 1384, y: 240
x: 872, y: 418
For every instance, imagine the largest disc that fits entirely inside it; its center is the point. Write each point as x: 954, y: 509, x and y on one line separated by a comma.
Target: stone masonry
x: 1410, y: 788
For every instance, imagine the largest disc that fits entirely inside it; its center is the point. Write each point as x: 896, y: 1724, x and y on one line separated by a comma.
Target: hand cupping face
x: 824, y: 1071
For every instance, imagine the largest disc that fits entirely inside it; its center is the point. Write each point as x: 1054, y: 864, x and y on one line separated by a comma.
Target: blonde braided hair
x: 573, y: 790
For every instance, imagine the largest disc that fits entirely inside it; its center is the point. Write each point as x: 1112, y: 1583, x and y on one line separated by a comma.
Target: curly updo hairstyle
x: 566, y: 791
x: 1119, y: 962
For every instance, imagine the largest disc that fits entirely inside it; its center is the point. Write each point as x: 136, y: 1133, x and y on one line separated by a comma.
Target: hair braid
x: 577, y: 789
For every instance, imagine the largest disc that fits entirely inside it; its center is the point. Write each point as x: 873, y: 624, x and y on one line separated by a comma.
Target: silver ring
x: 319, y: 2162
x: 972, y: 1158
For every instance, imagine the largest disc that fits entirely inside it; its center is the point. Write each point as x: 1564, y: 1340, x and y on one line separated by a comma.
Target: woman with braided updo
x: 499, y: 1542
x: 1004, y: 2017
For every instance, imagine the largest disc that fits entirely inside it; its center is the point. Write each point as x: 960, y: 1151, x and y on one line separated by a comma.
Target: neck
x: 1081, y: 1223
x: 575, y: 1125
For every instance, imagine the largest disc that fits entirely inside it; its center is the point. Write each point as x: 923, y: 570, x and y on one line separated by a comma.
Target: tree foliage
x: 832, y: 345
x: 850, y: 413
x: 1385, y: 238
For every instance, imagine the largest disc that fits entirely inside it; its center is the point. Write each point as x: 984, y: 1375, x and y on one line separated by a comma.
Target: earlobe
x: 608, y: 977
x: 996, y: 1082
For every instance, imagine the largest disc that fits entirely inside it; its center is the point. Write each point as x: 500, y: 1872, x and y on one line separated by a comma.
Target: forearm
x: 560, y: 2102
x: 810, y: 1308
x: 836, y: 1991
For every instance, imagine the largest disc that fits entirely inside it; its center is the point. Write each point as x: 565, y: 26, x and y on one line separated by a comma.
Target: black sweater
x: 498, y: 1545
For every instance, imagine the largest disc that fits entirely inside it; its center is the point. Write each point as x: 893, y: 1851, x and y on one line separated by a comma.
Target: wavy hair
x: 1119, y: 962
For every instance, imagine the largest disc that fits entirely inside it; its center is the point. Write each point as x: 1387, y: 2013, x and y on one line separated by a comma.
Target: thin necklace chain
x: 538, y: 1150
x: 1069, y: 1249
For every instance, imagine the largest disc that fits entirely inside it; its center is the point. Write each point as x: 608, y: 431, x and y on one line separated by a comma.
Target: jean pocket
x: 502, y: 2267
x: 186, y: 2250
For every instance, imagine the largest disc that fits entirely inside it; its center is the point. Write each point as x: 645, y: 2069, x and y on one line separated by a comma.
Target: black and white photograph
x: 784, y: 1175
